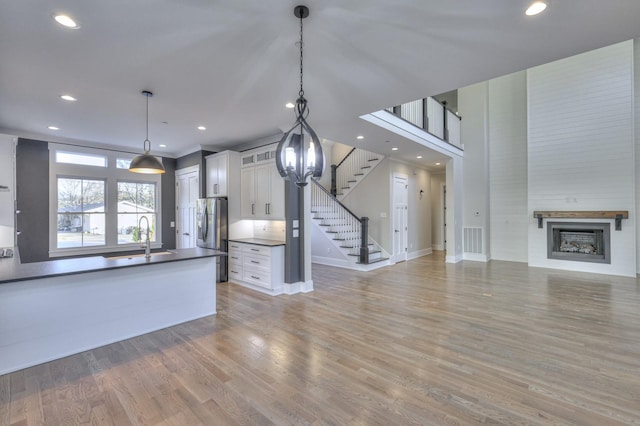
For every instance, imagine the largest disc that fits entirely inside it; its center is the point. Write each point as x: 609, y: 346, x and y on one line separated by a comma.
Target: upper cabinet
x: 261, y: 185
x: 219, y: 167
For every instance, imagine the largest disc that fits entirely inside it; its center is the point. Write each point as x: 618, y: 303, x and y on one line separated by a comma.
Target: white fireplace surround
x: 622, y: 245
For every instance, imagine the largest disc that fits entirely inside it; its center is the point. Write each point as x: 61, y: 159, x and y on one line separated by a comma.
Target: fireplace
x: 579, y: 241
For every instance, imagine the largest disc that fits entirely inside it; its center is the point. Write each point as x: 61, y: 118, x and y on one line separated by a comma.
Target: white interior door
x: 400, y: 210
x: 187, y: 192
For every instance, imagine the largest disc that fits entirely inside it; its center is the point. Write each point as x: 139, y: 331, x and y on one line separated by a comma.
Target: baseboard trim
x: 438, y: 247
x: 299, y: 287
x: 476, y: 257
x: 453, y: 259
x: 419, y: 253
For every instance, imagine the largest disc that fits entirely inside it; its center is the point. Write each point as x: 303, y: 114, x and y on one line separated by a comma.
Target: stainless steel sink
x: 133, y: 256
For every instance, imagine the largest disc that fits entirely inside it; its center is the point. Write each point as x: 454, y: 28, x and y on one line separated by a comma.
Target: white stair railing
x: 346, y: 227
x: 354, y: 165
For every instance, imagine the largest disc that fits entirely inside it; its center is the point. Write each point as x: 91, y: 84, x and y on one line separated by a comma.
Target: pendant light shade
x: 299, y: 154
x: 146, y: 163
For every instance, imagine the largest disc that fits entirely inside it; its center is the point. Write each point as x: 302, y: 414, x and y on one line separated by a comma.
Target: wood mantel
x: 618, y: 215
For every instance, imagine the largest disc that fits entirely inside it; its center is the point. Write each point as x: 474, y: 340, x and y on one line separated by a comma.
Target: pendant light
x: 146, y: 163
x: 299, y: 153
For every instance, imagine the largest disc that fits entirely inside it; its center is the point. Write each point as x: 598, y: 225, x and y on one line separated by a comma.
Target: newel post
x: 364, y: 240
x: 334, y: 184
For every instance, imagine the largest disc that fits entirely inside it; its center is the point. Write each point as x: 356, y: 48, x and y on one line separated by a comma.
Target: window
x: 96, y: 204
x: 136, y: 201
x: 123, y: 163
x: 81, y: 213
x: 83, y: 159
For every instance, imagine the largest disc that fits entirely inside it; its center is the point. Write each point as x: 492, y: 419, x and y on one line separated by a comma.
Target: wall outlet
x: 383, y: 214
x: 172, y: 224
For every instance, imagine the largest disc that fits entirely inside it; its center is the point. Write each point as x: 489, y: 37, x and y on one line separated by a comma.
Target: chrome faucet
x: 147, y: 245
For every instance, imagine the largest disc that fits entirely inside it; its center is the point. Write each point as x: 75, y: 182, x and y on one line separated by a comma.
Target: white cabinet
x: 219, y: 169
x: 262, y: 190
x: 256, y: 266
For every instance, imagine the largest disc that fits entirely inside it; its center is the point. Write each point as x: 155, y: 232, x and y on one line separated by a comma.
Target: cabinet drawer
x: 235, y: 246
x: 235, y: 273
x: 257, y: 277
x: 261, y: 250
x: 235, y: 256
x: 254, y: 261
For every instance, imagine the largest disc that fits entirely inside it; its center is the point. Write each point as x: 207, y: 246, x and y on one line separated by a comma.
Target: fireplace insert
x: 579, y: 241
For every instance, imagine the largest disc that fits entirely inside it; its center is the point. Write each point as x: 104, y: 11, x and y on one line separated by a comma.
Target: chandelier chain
x: 301, y: 93
x: 147, y: 96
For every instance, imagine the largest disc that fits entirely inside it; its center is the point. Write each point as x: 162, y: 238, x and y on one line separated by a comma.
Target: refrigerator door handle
x: 205, y: 219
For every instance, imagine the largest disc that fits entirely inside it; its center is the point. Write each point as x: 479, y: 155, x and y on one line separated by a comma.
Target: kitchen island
x: 53, y: 309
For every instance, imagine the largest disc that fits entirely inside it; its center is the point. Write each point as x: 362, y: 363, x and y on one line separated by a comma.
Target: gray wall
x: 32, y: 195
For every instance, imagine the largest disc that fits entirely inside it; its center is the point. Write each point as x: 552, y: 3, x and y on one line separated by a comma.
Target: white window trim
x: 112, y: 175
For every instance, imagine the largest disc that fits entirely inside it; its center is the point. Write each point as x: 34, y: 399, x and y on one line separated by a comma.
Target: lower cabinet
x: 258, y: 267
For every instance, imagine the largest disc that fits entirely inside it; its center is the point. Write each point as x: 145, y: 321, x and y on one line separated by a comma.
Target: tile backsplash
x: 269, y: 229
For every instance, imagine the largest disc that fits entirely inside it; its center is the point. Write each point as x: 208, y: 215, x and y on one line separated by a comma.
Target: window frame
x: 112, y: 175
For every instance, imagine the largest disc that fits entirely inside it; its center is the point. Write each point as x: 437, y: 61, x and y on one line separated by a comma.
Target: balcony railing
x: 433, y: 117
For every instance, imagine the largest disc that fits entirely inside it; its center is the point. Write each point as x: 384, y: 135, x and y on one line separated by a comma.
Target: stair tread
x: 373, y: 159
x: 359, y: 174
x: 365, y: 167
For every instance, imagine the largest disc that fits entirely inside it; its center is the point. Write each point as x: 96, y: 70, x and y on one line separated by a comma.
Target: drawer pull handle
x: 255, y: 250
x: 233, y: 257
x: 253, y: 261
x: 254, y: 277
x: 235, y: 272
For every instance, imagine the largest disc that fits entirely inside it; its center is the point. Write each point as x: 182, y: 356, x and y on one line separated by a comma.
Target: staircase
x: 353, y: 168
x: 347, y: 232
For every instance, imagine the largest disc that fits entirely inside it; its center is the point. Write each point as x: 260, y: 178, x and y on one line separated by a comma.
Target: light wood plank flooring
x: 420, y: 342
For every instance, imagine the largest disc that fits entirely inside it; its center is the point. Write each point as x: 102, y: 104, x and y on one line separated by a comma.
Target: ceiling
x: 232, y: 65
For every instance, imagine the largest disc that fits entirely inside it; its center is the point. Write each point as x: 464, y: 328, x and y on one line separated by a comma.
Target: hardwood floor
x: 421, y: 342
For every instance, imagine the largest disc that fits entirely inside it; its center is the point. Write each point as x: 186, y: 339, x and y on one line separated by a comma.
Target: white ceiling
x: 231, y: 65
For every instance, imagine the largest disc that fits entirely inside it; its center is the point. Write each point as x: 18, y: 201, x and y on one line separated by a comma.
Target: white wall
x: 474, y: 107
x: 7, y: 197
x: 372, y: 198
x: 636, y: 86
x: 508, y: 167
x: 581, y: 148
x: 437, y: 211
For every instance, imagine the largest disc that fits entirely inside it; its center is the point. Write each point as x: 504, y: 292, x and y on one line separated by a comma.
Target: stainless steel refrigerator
x: 213, y: 230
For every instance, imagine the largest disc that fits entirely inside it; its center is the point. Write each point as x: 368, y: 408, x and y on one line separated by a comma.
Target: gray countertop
x: 259, y: 241
x: 12, y: 270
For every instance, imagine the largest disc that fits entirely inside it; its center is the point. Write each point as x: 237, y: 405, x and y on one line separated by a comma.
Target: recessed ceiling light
x: 535, y: 8
x: 68, y: 98
x: 162, y: 145
x: 53, y: 128
x: 66, y: 21
x: 359, y: 137
x: 202, y: 128
x: 394, y: 149
x: 289, y: 105
x: 437, y: 164
x: 419, y: 156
